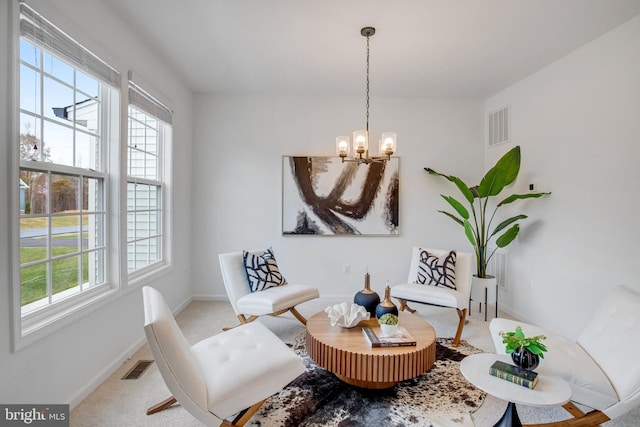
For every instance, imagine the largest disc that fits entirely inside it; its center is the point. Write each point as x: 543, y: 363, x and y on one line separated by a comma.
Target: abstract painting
x: 324, y: 196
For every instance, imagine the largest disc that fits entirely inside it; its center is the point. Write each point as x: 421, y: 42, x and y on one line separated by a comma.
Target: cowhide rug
x: 441, y: 397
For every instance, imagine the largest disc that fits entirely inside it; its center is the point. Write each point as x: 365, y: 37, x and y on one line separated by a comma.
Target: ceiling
x: 431, y: 48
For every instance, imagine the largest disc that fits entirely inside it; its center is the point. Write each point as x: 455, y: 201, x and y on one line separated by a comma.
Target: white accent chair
x: 272, y: 301
x: 222, y: 375
x: 436, y: 295
x: 601, y: 366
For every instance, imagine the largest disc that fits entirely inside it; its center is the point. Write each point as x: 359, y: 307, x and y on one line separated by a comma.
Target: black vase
x: 525, y: 359
x: 367, y: 298
x: 386, y: 306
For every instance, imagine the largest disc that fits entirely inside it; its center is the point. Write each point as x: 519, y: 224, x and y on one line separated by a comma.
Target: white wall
x: 237, y: 179
x: 578, y: 123
x: 66, y: 365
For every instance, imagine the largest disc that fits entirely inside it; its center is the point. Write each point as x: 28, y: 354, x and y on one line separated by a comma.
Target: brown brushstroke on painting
x: 324, y: 207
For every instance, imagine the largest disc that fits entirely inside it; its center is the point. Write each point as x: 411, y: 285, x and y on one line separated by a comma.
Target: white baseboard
x: 117, y: 363
x: 106, y: 373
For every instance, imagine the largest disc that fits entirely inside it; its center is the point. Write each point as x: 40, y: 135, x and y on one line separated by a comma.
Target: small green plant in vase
x: 388, y: 324
x: 525, y: 352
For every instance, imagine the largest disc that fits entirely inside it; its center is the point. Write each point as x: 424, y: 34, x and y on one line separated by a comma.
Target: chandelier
x: 387, y: 141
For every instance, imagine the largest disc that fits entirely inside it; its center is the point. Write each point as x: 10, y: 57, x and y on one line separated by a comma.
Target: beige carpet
x: 123, y: 403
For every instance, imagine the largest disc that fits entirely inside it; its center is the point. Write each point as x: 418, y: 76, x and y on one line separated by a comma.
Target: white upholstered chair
x: 601, y: 366
x: 272, y: 301
x: 220, y: 376
x: 436, y: 295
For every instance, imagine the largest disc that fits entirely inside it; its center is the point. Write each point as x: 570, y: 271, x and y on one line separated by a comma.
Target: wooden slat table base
x: 346, y: 353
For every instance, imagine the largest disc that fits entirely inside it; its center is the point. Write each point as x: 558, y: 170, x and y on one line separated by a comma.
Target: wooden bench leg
x: 298, y: 316
x: 462, y: 314
x: 242, y: 417
x: 161, y: 406
x: 404, y: 305
x: 242, y: 320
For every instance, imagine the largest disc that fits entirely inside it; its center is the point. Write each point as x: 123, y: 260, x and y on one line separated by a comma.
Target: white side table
x: 550, y: 390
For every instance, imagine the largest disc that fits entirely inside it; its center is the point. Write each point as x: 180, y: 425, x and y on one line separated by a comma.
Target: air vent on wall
x: 500, y: 126
x: 498, y: 267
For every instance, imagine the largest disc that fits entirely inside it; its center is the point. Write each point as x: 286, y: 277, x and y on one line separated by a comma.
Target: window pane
x: 33, y: 283
x: 64, y: 193
x: 36, y: 188
x: 131, y: 257
x: 86, y: 84
x: 92, y: 231
x: 29, y: 89
x: 58, y: 68
x: 151, y: 170
x: 29, y: 53
x: 131, y: 226
x: 58, y: 100
x: 85, y: 151
x: 58, y: 140
x: 86, y: 113
x: 64, y: 275
x: 33, y: 239
x: 142, y: 196
x: 154, y: 197
x: 30, y: 143
x: 92, y: 269
x: 151, y: 141
x: 154, y: 249
x: 92, y: 195
x: 131, y: 196
x: 142, y: 225
x: 65, y: 233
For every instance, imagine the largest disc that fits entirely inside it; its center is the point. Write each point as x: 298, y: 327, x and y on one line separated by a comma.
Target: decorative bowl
x: 346, y: 315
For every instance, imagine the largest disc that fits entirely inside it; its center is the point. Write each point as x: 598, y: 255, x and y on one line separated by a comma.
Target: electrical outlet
x: 346, y: 268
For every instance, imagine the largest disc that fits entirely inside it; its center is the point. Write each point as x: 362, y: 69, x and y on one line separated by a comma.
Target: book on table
x: 514, y: 374
x: 400, y: 339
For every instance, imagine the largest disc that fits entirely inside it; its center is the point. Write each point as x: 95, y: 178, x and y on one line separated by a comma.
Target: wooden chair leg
x: 298, y: 316
x: 242, y: 417
x: 462, y: 314
x: 591, y: 419
x: 242, y: 320
x: 161, y: 406
x: 404, y: 305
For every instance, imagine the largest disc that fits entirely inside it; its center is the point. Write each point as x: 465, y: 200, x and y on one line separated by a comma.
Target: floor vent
x: 137, y: 370
x: 500, y: 126
x: 498, y: 267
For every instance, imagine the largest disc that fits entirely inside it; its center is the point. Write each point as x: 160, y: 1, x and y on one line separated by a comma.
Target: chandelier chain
x: 367, y: 87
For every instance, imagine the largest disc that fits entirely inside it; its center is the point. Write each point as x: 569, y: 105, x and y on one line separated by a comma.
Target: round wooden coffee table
x: 347, y: 354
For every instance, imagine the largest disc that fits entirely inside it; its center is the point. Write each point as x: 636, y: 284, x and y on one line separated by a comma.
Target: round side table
x: 550, y: 390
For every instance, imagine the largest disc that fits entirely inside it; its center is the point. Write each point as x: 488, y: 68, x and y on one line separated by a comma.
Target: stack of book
x: 400, y: 339
x: 515, y: 374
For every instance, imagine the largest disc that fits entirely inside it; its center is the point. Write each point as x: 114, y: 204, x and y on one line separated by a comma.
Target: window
x: 149, y: 129
x: 66, y: 97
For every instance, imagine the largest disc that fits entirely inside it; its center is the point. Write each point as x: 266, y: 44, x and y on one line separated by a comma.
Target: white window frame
x: 35, y: 325
x: 142, y: 100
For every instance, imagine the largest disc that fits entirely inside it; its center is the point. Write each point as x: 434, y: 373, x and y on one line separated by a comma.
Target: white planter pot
x: 484, y: 291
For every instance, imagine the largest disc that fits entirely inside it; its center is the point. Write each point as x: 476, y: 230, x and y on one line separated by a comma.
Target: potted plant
x: 477, y: 219
x: 388, y: 324
x: 525, y: 352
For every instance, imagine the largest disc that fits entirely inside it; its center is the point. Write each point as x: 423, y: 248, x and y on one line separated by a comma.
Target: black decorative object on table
x: 386, y: 306
x: 524, y: 358
x: 367, y: 298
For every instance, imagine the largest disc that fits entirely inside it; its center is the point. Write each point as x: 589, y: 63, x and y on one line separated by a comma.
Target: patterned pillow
x: 437, y: 270
x: 262, y: 270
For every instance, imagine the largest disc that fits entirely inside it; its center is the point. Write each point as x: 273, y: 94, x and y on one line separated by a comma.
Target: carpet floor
x: 123, y: 403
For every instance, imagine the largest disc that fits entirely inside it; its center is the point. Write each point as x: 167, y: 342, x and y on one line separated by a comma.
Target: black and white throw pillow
x: 436, y: 270
x: 262, y: 270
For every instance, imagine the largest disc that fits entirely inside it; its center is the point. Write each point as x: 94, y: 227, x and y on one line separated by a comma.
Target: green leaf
x: 469, y: 232
x: 462, y: 211
x: 507, y: 222
x: 453, y: 217
x: 519, y: 332
x: 508, y: 236
x: 464, y: 188
x: 502, y: 174
x: 512, y: 198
